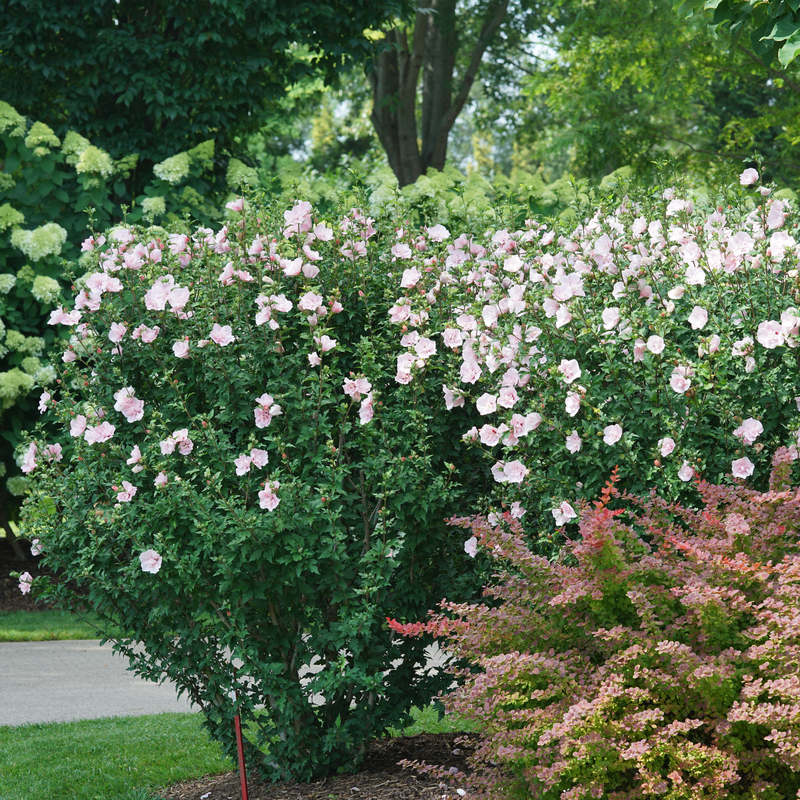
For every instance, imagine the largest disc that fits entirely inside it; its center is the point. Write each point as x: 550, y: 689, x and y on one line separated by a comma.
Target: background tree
x: 161, y: 76
x: 444, y: 47
x: 629, y: 82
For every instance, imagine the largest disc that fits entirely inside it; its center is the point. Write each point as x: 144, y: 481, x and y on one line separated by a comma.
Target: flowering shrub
x: 241, y: 485
x: 656, y: 658
x: 657, y: 335
x: 46, y: 186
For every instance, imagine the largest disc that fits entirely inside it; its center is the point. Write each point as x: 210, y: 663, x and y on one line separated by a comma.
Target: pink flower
x: 129, y: 490
x: 44, y: 398
x: 117, y: 331
x: 698, y: 318
x: 131, y: 408
x: 325, y: 343
x: 452, y: 399
x: 356, y: 387
x: 612, y: 434
x: 25, y: 582
x: 574, y: 442
x: 36, y: 547
x: 68, y: 357
x: 515, y: 471
x: 99, y: 433
x: 639, y: 346
x: 610, y: 318
x: 243, y: 464
x: 29, y: 460
x: 425, y: 348
x: 490, y: 435
x: 266, y: 410
x: 298, y: 219
x: 655, y: 344
x: 486, y: 403
x: 52, y: 452
x: 572, y: 404
x: 770, y: 334
x: 150, y: 561
x: 471, y: 547
x: 310, y: 302
x: 452, y: 337
x: 679, y: 380
x: 742, y: 468
x: 563, y: 514
x: 161, y: 479
x: 748, y: 177
x: 267, y: 497
x: 749, y: 430
x: 181, y: 349
x: 181, y: 438
x: 686, y: 472
x: 666, y: 445
x: 507, y: 397
x: 222, y: 335
x: 366, y: 412
x: 259, y: 457
x: 569, y: 369
x: 314, y: 360
x: 136, y: 457
x: 401, y: 251
x: 77, y: 426
x: 410, y: 278
x: 236, y: 205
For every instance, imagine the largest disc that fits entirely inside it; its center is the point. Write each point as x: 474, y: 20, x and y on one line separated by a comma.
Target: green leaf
x: 784, y: 28
x: 789, y: 50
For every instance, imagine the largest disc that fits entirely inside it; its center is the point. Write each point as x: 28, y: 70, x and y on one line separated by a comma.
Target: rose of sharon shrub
x: 585, y: 347
x: 657, y: 658
x: 242, y: 486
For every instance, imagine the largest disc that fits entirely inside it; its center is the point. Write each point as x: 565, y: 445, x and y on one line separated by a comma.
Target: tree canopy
x: 159, y: 76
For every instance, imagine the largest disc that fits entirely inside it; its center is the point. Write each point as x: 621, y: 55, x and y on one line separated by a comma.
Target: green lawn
x: 39, y: 626
x: 125, y: 758
x: 106, y: 759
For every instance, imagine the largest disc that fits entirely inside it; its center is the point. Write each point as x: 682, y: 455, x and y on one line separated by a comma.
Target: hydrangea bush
x: 658, y: 335
x: 657, y: 658
x: 241, y: 485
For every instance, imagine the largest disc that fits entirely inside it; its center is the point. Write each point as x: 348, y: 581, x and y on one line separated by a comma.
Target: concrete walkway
x: 72, y: 680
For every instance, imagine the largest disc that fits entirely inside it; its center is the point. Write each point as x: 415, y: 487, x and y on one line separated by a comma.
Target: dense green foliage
x: 223, y: 441
x: 156, y: 78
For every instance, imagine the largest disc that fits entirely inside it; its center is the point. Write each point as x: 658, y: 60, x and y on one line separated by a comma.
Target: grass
x: 127, y: 758
x: 120, y: 758
x: 40, y: 626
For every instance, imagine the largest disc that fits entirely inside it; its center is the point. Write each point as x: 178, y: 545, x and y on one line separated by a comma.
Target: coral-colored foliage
x: 657, y: 657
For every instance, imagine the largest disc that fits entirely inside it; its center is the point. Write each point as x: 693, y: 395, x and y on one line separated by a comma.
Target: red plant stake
x: 240, y: 750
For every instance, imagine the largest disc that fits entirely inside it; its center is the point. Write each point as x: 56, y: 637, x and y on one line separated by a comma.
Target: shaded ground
x: 380, y: 778
x: 11, y: 598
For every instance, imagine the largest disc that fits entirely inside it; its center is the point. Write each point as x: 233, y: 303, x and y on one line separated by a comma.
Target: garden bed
x: 380, y: 777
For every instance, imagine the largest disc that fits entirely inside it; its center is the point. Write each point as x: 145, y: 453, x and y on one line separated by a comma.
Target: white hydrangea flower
x: 10, y: 217
x: 95, y: 161
x: 45, y: 375
x: 18, y: 486
x: 174, y: 169
x: 239, y: 173
x: 43, y: 241
x: 153, y: 207
x: 11, y: 122
x: 73, y: 147
x: 45, y: 290
x: 41, y: 135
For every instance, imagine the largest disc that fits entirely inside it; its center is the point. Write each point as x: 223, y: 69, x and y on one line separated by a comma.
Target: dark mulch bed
x: 380, y: 778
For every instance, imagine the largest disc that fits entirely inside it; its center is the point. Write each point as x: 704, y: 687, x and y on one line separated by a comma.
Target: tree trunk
x: 432, y: 50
